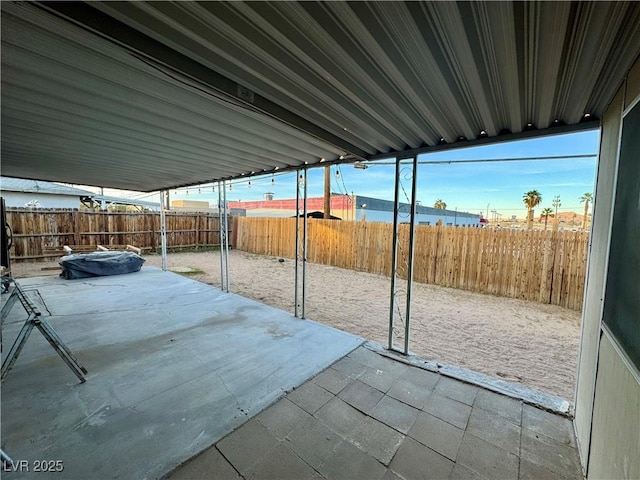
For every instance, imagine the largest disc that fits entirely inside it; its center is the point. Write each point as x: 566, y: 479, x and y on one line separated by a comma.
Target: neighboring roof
x: 338, y: 202
x: 152, y: 95
x: 33, y: 186
x: 370, y: 203
x: 124, y: 201
x: 380, y: 205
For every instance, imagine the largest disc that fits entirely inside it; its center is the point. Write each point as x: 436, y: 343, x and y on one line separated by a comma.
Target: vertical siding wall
x: 607, y: 418
x: 547, y: 267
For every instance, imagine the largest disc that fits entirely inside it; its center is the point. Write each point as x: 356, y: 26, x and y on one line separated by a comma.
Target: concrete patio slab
x: 174, y: 366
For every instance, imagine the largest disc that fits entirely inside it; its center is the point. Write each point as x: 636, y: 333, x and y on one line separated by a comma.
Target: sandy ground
x: 524, y: 342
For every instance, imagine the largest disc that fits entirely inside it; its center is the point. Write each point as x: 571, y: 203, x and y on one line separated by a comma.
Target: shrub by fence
x: 542, y: 266
x: 36, y: 231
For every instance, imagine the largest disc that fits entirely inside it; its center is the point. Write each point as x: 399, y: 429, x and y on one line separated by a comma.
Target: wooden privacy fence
x: 37, y: 231
x: 542, y: 266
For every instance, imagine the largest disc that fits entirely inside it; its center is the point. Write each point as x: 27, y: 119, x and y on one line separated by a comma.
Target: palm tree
x: 546, y: 213
x: 440, y: 204
x: 586, y: 198
x: 531, y: 199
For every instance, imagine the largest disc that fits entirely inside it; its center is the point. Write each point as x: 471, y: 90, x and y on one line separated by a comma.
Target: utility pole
x: 327, y: 192
x: 556, y: 203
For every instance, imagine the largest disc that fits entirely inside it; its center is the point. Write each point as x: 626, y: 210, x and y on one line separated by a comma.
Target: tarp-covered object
x: 99, y: 263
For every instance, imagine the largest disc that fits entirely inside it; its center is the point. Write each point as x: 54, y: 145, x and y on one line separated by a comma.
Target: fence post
x: 197, y: 229
x: 76, y: 228
x: 154, y: 245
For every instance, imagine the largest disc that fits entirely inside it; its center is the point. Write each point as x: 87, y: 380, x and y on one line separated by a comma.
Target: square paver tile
x: 208, y: 463
x: 394, y: 413
x: 421, y: 377
x: 409, y: 393
x: 349, y: 462
x: 376, y: 439
x: 247, y: 445
x: 495, y: 429
x: 378, y: 361
x: 391, y: 475
x: 507, y: 407
x: 282, y: 417
x: 339, y: 416
x: 361, y: 396
x: 460, y: 391
x: 460, y: 472
x: 546, y: 452
x: 377, y: 378
x: 281, y: 463
x: 486, y: 459
x: 332, y: 380
x: 310, y: 397
x: 395, y: 367
x: 312, y: 441
x: 549, y: 424
x: 533, y: 471
x: 364, y: 356
x: 415, y: 461
x: 350, y: 367
x: 437, y: 434
x: 448, y: 409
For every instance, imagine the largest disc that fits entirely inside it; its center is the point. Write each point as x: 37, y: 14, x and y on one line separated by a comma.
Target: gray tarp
x: 99, y: 263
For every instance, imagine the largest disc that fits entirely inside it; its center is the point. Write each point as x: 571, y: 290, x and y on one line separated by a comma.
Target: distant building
x: 359, y: 208
x: 18, y: 192
x: 376, y: 210
x: 341, y: 207
x: 192, y: 206
x: 571, y: 218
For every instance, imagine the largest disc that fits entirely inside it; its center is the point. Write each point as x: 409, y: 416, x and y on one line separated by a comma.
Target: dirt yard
x: 525, y: 342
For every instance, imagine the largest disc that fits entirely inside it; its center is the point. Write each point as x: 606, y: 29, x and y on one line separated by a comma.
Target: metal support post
x: 394, y: 255
x: 407, y: 255
x: 223, y: 225
x: 226, y: 242
x: 412, y: 244
x: 295, y: 288
x: 163, y: 229
x: 301, y: 245
x: 304, y: 245
x: 221, y: 187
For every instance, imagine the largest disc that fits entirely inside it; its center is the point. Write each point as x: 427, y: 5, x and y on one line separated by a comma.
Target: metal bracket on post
x: 223, y: 227
x: 163, y: 229
x: 406, y: 255
x: 301, y: 244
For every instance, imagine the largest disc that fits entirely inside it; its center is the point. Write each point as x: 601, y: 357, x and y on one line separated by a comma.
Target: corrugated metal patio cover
x: 147, y: 96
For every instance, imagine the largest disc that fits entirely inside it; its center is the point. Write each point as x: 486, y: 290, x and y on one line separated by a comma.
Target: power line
x: 490, y: 160
x: 342, y: 179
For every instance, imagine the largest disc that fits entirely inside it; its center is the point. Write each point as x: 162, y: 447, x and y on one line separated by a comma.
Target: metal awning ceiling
x: 147, y: 96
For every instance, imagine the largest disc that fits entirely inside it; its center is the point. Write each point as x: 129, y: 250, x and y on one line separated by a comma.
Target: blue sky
x: 467, y: 187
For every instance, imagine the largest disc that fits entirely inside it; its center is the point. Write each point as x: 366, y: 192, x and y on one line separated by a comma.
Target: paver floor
x: 370, y: 417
